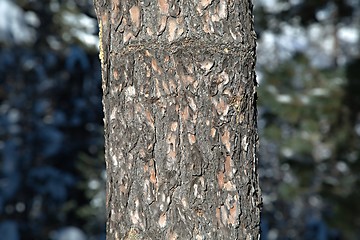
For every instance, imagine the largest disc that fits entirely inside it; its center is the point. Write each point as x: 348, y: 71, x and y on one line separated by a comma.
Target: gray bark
x: 180, y: 119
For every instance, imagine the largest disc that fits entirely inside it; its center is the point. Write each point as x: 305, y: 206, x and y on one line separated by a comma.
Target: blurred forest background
x: 52, y: 171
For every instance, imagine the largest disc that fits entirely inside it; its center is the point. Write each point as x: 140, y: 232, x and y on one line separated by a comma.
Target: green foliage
x: 307, y: 118
x: 93, y: 186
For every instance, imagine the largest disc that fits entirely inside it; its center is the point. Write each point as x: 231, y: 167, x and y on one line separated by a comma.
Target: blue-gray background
x: 52, y: 176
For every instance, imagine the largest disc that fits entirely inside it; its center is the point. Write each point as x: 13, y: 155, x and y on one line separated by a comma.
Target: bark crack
x: 225, y: 48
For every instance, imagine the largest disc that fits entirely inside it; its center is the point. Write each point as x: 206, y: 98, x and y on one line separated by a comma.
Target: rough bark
x: 180, y: 119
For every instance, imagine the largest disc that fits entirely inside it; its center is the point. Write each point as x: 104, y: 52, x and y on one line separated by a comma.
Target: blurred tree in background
x: 52, y: 169
x: 309, y: 118
x: 51, y: 162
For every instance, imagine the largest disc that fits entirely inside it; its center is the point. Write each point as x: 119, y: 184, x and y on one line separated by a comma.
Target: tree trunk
x: 180, y: 119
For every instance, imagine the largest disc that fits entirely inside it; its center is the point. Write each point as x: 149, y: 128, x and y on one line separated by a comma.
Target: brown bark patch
x: 221, y: 107
x: 162, y: 26
x: 172, y: 236
x: 162, y: 220
x: 174, y: 126
x: 228, y: 166
x: 123, y: 188
x: 172, y: 154
x: 142, y: 153
x: 212, y: 132
x: 149, y: 119
x: 185, y: 114
x: 135, y: 16
x: 172, y: 27
x: 153, y: 179
x: 191, y: 138
x: 225, y: 139
x: 146, y: 167
x: 218, y: 216
x: 203, y: 4
x: 104, y: 19
x: 127, y: 36
x: 220, y: 178
x: 229, y: 186
x: 155, y: 66
x: 233, y: 214
x: 152, y: 176
x: 224, y: 215
x: 163, y: 6
x: 206, y: 65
